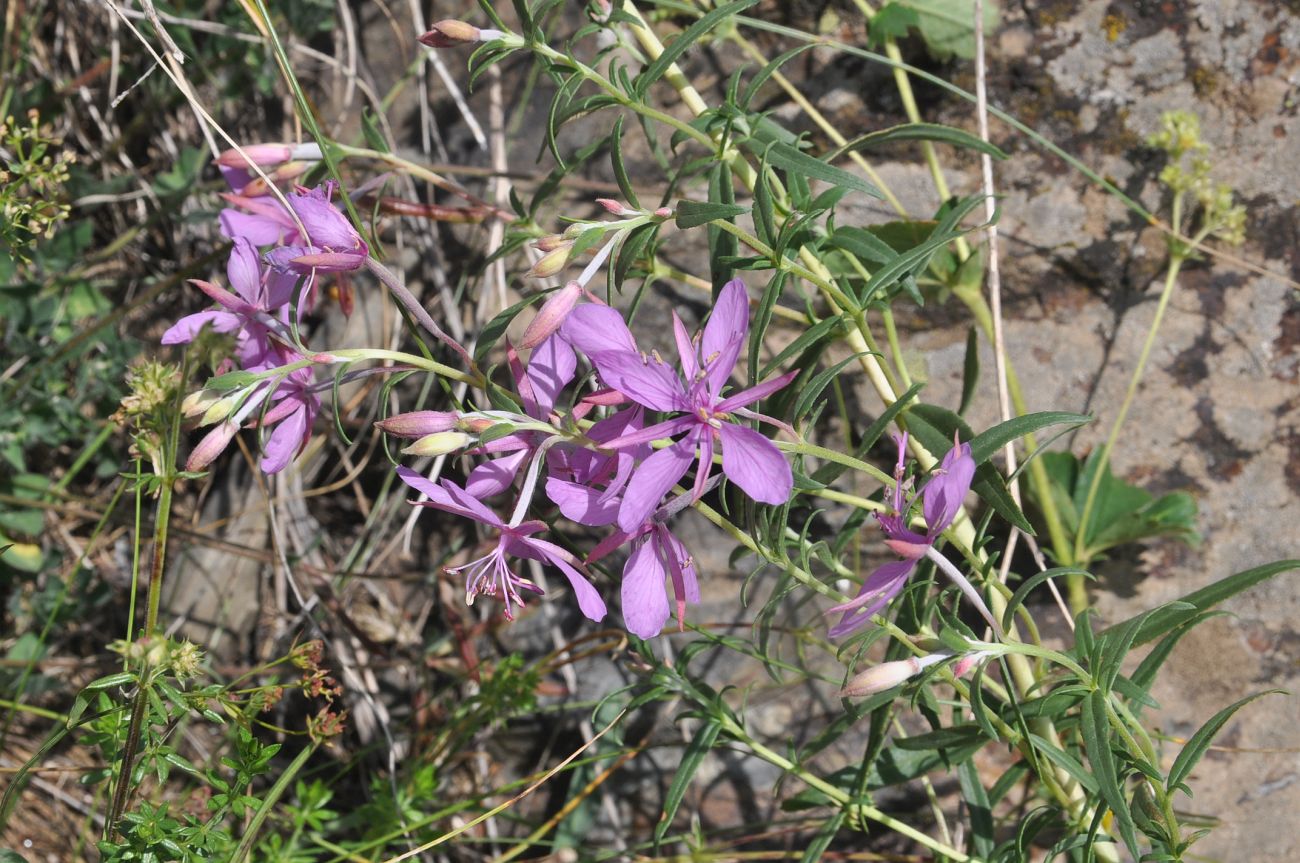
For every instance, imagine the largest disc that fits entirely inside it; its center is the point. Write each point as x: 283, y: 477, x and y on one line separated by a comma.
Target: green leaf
x: 371, y: 131
x: 616, y: 160
x: 981, y: 812
x: 892, y: 21
x: 1066, y: 762
x: 864, y: 244
x: 986, y: 443
x: 694, y: 755
x: 970, y: 374
x: 751, y: 89
x: 813, y: 390
x: 688, y: 37
x: 822, y: 329
x: 1095, y: 728
x: 918, y: 132
x: 631, y: 250
x: 948, y: 26
x: 820, y: 841
x: 1018, y: 598
x: 723, y: 246
x: 1160, y: 621
x: 494, y: 329
x: 954, y: 737
x: 797, y: 162
x: 692, y: 214
x: 1199, y: 742
x: 1121, y: 513
x: 934, y: 426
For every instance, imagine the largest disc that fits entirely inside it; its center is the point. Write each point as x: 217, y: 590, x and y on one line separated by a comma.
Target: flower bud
x: 417, y: 424
x: 550, y: 242
x: 450, y: 32
x: 267, y: 155
x: 880, y: 677
x: 212, y: 445
x: 200, y: 402
x: 439, y: 443
x: 614, y: 207
x: 550, y: 263
x: 551, y: 315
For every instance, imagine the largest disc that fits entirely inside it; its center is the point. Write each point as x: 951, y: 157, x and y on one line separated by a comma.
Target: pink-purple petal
x: 581, y: 503
x: 877, y: 591
x: 260, y: 229
x: 645, y: 380
x: 755, y: 393
x: 495, y: 475
x: 595, y: 329
x: 645, y: 600
x: 550, y: 369
x: 288, y: 437
x: 724, y: 334
x: 589, y: 601
x: 685, y: 349
x: 187, y: 328
x: 651, y: 481
x: 244, y: 271
x: 752, y: 462
x: 943, y: 495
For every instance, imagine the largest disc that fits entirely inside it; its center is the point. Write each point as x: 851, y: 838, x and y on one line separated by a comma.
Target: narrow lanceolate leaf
x: 817, y: 847
x: 797, y: 162
x: 970, y: 374
x: 692, y: 214
x: 688, y: 37
x: 1200, y: 741
x: 1157, y: 623
x: 919, y: 132
x: 1095, y: 728
x: 981, y: 812
x: 986, y: 443
x: 691, y: 760
x: 495, y: 328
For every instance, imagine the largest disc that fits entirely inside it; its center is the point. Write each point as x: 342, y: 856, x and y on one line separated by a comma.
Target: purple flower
x: 294, y: 412
x: 491, y: 574
x: 250, y: 311
x: 331, y: 243
x: 941, y: 500
x: 550, y: 369
x: 748, y: 458
x: 656, y: 554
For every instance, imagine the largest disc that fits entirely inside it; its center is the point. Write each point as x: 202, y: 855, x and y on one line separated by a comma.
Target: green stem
x: 843, y: 799
x: 268, y: 803
x: 1081, y: 551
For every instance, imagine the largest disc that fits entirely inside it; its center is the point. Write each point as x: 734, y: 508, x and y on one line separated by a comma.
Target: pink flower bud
x: 267, y: 155
x: 450, y: 32
x: 614, y: 207
x: 880, y: 677
x: 417, y: 424
x: 551, y: 315
x: 213, y: 444
x: 965, y: 664
x: 256, y: 154
x: 663, y: 212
